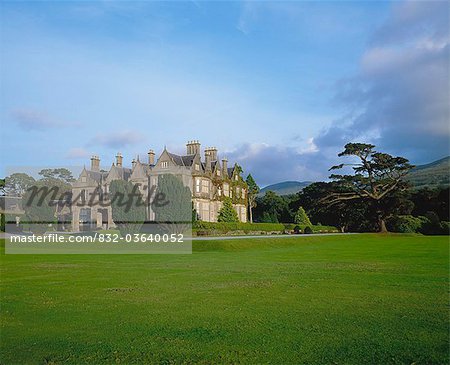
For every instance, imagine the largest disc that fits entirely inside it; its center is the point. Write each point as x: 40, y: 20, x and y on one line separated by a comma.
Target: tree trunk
x: 382, y: 224
x: 251, y: 214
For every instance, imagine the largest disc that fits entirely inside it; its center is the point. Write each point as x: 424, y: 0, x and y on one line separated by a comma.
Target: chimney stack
x: 151, y: 157
x: 192, y: 147
x: 207, y: 160
x: 224, y: 167
x: 95, y: 163
x: 213, y: 153
x: 119, y: 159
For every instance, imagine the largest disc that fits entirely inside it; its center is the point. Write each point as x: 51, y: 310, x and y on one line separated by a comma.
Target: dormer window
x: 197, y: 167
x: 164, y: 164
x: 236, y: 177
x: 218, y: 172
x: 83, y: 179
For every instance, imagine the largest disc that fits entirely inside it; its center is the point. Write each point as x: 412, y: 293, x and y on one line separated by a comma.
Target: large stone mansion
x: 209, y: 180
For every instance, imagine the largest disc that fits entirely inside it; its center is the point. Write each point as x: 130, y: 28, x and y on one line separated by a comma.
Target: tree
x: 128, y: 207
x: 253, y: 190
x: 377, y: 177
x: 272, y: 208
x: 227, y: 212
x: 2, y: 187
x: 18, y: 183
x: 172, y: 202
x: 301, y: 218
x: 60, y: 173
x: 40, y: 213
x: 60, y: 178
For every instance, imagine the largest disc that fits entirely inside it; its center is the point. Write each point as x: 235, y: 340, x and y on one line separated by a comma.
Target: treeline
x: 425, y: 210
x: 371, y: 193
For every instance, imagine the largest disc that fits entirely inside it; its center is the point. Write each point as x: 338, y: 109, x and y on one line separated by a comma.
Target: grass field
x: 359, y: 299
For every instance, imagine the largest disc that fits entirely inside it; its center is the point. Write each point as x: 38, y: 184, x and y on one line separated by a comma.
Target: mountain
x: 285, y: 187
x: 434, y: 174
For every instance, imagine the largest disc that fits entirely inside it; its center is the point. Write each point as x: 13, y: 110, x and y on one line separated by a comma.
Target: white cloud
x: 399, y: 99
x: 31, y: 119
x: 77, y: 153
x: 117, y: 139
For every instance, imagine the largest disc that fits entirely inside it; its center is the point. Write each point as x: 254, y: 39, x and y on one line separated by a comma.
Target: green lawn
x: 359, y: 299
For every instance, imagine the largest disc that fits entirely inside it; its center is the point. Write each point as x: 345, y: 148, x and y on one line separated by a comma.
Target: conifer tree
x: 301, y: 218
x: 253, y: 190
x: 227, y: 212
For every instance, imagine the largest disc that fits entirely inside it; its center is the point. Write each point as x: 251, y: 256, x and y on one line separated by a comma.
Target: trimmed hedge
x: 238, y: 226
x: 315, y: 228
x: 212, y: 228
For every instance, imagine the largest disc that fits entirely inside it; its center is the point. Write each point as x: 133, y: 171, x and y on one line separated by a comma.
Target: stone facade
x: 209, y: 179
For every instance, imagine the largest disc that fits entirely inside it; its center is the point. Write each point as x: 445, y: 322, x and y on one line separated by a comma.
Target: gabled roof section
x: 92, y: 175
x: 178, y: 160
x: 118, y: 173
x: 140, y: 171
x: 188, y: 160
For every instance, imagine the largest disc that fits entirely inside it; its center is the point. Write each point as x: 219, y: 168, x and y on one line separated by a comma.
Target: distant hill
x: 434, y: 174
x: 286, y: 187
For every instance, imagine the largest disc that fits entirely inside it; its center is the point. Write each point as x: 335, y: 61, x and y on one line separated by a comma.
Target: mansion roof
x: 142, y: 170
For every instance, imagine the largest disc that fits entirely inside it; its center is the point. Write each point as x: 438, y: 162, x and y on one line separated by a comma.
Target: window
x: 83, y: 179
x: 197, y: 167
x: 225, y: 190
x: 218, y: 172
x: 205, y: 186
x: 197, y: 185
x: 219, y: 191
x: 205, y: 212
x: 164, y: 164
x: 236, y: 177
x: 243, y: 194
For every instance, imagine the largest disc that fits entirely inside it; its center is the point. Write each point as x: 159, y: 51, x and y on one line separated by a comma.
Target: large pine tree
x: 376, y: 179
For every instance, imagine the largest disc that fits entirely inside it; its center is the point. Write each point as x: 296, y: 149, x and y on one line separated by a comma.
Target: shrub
x: 307, y: 230
x: 432, y: 225
x: 290, y: 226
x: 445, y: 228
x: 297, y: 229
x: 405, y: 224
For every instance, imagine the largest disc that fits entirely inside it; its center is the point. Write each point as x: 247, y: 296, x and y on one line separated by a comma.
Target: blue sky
x: 277, y: 86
